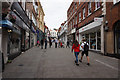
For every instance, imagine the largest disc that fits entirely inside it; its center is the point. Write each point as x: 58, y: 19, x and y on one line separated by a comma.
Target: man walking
x: 85, y: 49
x: 42, y: 42
x: 56, y: 43
x: 45, y: 43
x: 67, y: 44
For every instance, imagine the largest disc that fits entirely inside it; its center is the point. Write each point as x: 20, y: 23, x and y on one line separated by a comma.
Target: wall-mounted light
x: 9, y: 30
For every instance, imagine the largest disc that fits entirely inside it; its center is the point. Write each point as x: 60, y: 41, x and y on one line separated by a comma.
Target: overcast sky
x: 55, y: 12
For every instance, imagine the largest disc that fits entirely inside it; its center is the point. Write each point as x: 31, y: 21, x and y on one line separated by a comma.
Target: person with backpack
x: 85, y: 49
x: 76, y: 49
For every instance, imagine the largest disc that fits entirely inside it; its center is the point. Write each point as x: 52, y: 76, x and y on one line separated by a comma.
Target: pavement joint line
x: 107, y: 65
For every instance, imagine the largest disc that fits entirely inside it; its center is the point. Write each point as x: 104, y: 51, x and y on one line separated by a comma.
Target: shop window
x: 87, y: 38
x: 14, y: 43
x: 93, y: 41
x: 75, y: 19
x: 98, y: 40
x: 27, y: 40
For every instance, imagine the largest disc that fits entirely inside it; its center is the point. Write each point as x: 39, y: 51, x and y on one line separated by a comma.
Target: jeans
x: 76, y: 56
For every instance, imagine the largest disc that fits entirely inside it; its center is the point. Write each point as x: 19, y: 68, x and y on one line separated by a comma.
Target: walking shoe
x: 80, y: 60
x: 77, y: 64
x: 75, y: 61
x: 88, y: 64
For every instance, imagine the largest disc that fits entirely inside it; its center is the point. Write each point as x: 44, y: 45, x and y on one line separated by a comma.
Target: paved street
x: 59, y: 63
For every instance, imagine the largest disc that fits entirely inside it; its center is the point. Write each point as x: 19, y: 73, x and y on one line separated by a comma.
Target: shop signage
x: 98, y: 19
x: 90, y: 27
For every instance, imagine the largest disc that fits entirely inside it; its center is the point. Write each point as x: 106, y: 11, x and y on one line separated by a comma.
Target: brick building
x: 98, y: 23
x: 85, y: 21
x: 113, y: 24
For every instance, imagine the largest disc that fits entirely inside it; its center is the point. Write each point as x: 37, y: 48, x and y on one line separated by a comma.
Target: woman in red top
x: 61, y: 45
x: 76, y: 48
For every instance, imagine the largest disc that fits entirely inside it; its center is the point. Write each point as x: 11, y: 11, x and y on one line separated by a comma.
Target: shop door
x: 118, y: 42
x: 117, y: 39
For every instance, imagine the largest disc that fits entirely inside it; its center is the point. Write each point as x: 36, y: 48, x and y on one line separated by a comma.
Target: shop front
x: 92, y: 34
x: 32, y: 37
x: 117, y: 38
x: 14, y: 43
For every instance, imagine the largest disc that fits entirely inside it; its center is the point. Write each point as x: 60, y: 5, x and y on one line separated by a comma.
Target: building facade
x: 53, y: 34
x: 40, y: 20
x: 18, y: 28
x: 63, y: 33
x: 97, y: 22
x: 85, y: 21
x: 112, y: 36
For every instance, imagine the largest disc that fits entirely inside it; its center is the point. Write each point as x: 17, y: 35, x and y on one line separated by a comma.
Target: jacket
x: 76, y: 48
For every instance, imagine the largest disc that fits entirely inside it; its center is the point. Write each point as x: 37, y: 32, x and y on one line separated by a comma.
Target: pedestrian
x: 67, y: 44
x: 38, y: 43
x: 45, y: 43
x: 50, y: 42
x: 56, y: 43
x: 61, y: 44
x: 42, y: 42
x: 76, y: 49
x: 84, y: 49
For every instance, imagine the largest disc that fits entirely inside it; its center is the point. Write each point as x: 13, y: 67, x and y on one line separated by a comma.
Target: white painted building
x: 53, y: 33
x: 93, y: 33
x: 63, y: 33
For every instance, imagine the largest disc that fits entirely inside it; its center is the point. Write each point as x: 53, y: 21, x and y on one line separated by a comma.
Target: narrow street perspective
x: 60, y: 39
x: 59, y: 63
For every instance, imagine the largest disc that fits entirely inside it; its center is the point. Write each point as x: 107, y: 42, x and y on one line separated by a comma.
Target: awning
x: 94, y: 26
x: 6, y: 24
x: 18, y: 9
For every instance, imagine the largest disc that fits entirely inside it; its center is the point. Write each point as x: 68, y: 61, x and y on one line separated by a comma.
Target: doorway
x: 117, y: 38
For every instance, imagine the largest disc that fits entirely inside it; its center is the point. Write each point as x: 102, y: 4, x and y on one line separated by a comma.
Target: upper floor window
x: 34, y: 20
x: 73, y: 9
x: 84, y: 13
x: 115, y: 1
x: 89, y: 8
x: 71, y: 24
x: 75, y: 5
x: 97, y: 4
x: 71, y: 12
x: 23, y: 4
x: 75, y: 19
x: 80, y: 17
